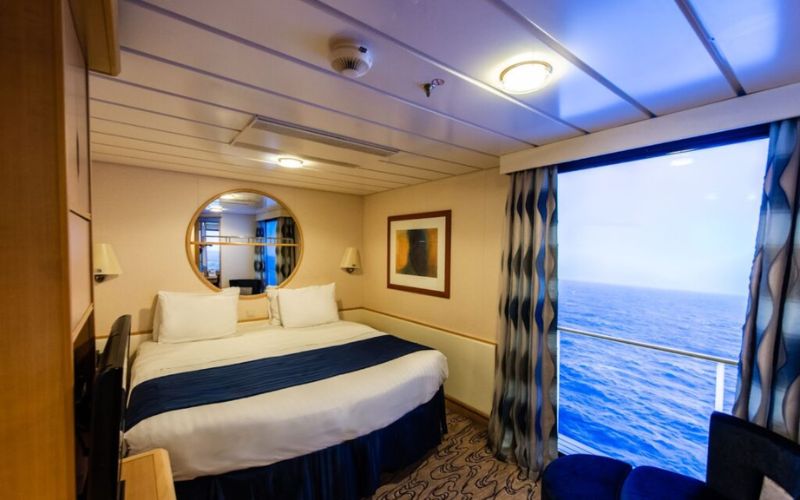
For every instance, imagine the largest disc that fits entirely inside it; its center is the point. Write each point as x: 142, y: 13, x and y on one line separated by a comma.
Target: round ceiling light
x: 526, y: 76
x: 290, y: 162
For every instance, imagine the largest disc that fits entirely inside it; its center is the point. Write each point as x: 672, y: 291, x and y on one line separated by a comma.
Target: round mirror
x: 244, y: 239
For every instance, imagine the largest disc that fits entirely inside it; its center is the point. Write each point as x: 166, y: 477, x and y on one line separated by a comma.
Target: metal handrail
x: 646, y: 345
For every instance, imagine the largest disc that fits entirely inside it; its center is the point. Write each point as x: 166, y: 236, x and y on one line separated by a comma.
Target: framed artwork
x: 418, y: 256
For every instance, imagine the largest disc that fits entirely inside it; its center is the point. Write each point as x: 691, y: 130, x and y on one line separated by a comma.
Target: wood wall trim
x: 429, y: 325
x: 82, y: 322
x: 470, y: 411
x: 250, y: 320
x: 247, y: 320
x: 96, y: 21
x: 141, y: 332
x: 83, y: 215
x: 395, y: 316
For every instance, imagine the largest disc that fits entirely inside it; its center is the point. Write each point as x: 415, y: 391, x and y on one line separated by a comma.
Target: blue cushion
x: 652, y: 483
x: 584, y: 477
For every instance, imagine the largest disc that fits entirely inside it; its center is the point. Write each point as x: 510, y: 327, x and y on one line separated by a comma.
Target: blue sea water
x: 644, y: 406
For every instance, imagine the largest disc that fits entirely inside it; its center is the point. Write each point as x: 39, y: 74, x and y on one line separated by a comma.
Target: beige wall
x: 477, y: 201
x: 144, y: 214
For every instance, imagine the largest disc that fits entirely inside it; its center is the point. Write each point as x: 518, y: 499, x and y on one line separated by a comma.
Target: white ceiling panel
x: 118, y: 133
x: 272, y: 144
x: 478, y: 39
x: 157, y: 121
x: 299, y: 175
x: 403, y: 175
x: 396, y: 72
x: 146, y: 72
x: 759, y: 38
x: 418, y: 161
x: 196, y: 73
x: 241, y: 174
x: 158, y: 35
x: 644, y: 47
x: 113, y: 91
x: 235, y: 157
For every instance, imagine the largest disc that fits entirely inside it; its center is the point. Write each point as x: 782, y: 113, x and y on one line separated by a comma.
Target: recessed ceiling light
x: 290, y: 162
x: 526, y: 76
x: 216, y: 209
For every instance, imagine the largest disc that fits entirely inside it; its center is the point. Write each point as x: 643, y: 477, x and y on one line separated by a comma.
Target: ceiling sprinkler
x: 428, y: 87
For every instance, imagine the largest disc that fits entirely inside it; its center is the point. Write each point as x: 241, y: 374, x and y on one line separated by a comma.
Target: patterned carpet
x: 461, y: 467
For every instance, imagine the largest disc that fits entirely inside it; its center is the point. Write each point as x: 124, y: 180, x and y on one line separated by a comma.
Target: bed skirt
x: 350, y: 470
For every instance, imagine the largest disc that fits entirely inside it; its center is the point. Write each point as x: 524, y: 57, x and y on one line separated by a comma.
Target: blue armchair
x: 740, y: 455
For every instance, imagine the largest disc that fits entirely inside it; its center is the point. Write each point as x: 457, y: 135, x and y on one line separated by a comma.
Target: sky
x: 685, y: 221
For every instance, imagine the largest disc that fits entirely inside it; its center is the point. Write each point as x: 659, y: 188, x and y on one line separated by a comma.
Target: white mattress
x: 267, y: 428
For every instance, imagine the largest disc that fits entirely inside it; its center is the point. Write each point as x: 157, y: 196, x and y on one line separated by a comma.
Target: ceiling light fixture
x: 290, y: 162
x: 527, y: 76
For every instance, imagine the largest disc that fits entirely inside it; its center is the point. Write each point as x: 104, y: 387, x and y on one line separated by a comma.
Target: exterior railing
x: 568, y: 445
x: 719, y: 394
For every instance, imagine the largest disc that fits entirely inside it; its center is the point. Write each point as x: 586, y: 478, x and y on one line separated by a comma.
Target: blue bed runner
x: 242, y: 380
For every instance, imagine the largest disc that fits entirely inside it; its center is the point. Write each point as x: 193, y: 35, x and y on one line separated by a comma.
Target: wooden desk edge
x: 164, y: 486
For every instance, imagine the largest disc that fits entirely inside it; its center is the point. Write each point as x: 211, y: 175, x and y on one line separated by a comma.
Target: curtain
x: 768, y: 391
x: 285, y: 257
x: 259, y: 256
x: 522, y: 426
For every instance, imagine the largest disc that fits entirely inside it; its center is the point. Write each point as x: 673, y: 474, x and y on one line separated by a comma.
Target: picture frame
x: 418, y: 253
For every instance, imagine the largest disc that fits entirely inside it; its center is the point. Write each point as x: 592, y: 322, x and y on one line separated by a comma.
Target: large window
x: 654, y: 263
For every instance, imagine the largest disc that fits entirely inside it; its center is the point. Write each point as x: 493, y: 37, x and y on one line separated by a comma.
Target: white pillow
x: 274, y: 310
x: 309, y: 306
x: 185, y: 317
x: 770, y: 490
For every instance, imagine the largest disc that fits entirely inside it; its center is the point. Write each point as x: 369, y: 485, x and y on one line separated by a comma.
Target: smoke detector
x: 351, y: 58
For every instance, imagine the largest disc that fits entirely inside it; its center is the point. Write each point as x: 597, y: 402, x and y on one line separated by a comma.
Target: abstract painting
x: 419, y: 253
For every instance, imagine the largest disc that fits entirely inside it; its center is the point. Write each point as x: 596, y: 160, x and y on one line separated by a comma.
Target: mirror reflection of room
x: 246, y: 240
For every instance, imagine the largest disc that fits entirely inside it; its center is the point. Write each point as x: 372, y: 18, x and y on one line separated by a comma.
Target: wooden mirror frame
x: 190, y: 233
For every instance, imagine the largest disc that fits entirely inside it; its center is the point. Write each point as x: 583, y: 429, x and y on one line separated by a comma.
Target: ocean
x: 643, y: 406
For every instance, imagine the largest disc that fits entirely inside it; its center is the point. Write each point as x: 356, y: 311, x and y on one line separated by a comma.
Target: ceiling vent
x: 264, y: 124
x: 350, y: 58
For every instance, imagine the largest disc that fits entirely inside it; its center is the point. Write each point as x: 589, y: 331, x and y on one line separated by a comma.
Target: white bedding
x: 267, y: 428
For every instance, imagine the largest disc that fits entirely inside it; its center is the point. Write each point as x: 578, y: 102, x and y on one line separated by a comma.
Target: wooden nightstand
x: 148, y: 476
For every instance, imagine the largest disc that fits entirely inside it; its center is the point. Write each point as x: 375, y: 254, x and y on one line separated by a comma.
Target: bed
x: 274, y: 412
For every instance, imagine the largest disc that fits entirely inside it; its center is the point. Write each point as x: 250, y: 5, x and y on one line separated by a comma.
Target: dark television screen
x: 108, y: 414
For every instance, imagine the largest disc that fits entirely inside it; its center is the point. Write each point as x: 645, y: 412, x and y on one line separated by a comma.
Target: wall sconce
x: 105, y: 262
x: 351, y: 260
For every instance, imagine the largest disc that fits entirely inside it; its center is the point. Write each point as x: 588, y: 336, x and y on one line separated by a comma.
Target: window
x: 209, y: 228
x: 655, y: 252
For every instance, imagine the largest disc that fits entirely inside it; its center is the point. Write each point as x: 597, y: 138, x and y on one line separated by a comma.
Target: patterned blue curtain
x: 522, y: 426
x: 285, y: 257
x: 768, y: 392
x: 259, y: 256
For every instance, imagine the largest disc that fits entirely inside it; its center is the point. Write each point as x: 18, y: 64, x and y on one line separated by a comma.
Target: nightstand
x: 148, y: 476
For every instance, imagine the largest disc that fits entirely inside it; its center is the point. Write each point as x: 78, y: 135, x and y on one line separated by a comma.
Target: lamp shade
x: 351, y: 259
x: 105, y: 260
